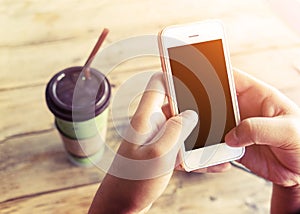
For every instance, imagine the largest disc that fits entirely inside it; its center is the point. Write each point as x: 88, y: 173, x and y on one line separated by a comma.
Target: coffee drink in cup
x: 80, y: 106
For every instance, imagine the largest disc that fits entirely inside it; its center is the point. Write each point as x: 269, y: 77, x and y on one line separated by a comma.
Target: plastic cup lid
x: 71, y: 97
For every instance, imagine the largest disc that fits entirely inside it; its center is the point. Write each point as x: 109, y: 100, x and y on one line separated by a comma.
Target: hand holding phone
x: 195, y: 60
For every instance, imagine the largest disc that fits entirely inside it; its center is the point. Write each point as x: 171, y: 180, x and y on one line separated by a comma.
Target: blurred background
x: 40, y: 38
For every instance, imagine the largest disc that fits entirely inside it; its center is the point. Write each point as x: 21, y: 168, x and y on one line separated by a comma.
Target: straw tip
x: 105, y: 31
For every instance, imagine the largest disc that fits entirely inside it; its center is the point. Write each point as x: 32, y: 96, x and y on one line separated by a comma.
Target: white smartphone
x: 196, y: 63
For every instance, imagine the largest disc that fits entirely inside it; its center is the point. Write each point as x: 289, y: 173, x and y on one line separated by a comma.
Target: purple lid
x: 72, y: 97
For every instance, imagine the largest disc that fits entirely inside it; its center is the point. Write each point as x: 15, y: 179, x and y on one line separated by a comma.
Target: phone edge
x: 169, y: 97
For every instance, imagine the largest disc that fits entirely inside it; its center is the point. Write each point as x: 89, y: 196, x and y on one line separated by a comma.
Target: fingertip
x: 231, y: 138
x: 190, y: 115
x: 223, y: 167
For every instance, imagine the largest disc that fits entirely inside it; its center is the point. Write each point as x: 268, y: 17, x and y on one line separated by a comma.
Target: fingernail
x: 192, y: 116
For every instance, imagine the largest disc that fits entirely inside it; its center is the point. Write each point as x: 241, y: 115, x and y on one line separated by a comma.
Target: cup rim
x: 73, y: 113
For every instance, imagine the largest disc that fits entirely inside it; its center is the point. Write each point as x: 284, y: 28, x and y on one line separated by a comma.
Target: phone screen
x: 201, y: 84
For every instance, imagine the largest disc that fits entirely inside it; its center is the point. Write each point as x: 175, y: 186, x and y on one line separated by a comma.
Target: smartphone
x: 196, y: 63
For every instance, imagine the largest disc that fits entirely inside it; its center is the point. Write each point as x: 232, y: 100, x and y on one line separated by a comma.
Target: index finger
x: 151, y: 102
x: 251, y: 94
x: 245, y: 82
x: 258, y: 99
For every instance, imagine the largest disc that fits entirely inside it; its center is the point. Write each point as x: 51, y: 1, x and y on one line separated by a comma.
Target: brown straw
x: 86, y: 67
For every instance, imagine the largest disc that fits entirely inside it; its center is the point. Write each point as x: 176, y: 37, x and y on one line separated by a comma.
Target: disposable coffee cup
x: 80, y: 106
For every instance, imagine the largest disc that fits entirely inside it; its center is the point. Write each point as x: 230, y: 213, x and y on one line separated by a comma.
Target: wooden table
x: 39, y: 38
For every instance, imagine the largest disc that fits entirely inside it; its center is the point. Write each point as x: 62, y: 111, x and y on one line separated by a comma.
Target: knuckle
x: 175, y: 122
x: 293, y: 129
x: 138, y: 122
x: 154, y: 152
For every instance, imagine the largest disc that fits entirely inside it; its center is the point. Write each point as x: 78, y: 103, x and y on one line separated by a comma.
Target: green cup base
x: 86, y: 161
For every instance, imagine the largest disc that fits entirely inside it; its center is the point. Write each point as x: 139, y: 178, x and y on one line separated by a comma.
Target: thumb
x: 276, y: 131
x: 176, y: 130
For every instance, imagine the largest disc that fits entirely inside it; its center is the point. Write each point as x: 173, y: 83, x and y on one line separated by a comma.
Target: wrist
x: 285, y: 199
x: 112, y: 197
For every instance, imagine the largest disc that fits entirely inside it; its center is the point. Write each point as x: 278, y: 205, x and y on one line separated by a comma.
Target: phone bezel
x: 178, y: 35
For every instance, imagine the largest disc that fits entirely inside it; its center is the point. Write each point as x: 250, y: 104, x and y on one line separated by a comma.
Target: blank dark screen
x: 190, y: 91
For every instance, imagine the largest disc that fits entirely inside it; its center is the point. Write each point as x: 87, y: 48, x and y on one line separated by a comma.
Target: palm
x: 271, y: 154
x: 266, y: 162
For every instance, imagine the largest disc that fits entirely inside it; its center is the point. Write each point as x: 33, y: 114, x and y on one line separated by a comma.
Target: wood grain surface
x: 40, y: 38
